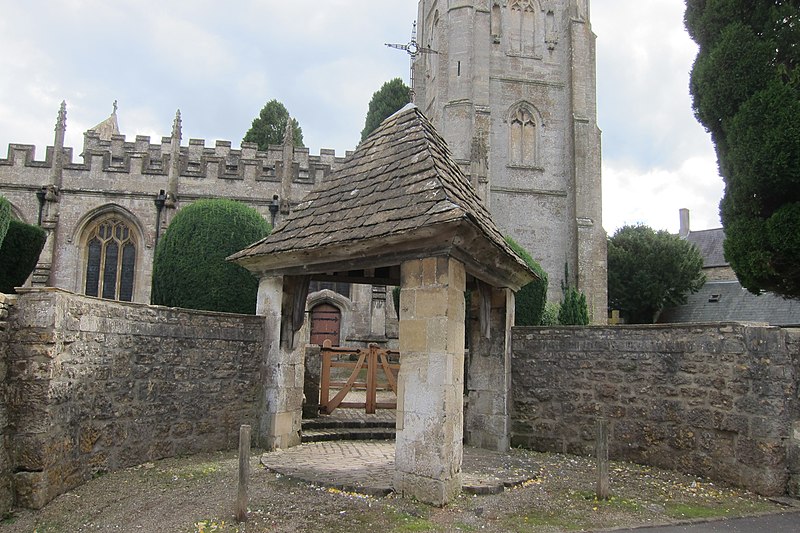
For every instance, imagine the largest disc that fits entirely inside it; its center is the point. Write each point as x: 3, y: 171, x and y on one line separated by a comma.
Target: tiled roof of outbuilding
x: 709, y: 242
x: 399, y: 181
x: 728, y: 301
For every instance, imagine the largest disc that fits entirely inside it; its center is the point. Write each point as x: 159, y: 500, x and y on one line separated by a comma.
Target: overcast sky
x: 220, y: 62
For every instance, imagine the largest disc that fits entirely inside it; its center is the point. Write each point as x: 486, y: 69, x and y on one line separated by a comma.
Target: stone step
x: 339, y: 423
x: 347, y: 433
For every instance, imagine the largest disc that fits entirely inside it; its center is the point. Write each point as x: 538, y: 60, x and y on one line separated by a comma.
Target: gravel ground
x: 196, y: 494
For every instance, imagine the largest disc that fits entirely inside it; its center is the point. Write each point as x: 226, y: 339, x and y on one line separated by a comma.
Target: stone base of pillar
x: 281, y: 431
x: 483, y: 430
x: 434, y: 491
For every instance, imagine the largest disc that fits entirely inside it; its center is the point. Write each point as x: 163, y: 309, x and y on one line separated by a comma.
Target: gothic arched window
x: 522, y: 145
x: 522, y: 27
x: 110, y: 251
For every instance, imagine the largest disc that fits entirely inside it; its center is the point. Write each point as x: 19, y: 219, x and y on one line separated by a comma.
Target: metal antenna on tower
x: 413, y: 49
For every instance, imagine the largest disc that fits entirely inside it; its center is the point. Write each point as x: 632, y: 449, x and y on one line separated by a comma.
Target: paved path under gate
x: 367, y: 467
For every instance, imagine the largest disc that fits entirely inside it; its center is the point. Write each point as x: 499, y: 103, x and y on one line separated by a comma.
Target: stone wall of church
x: 124, y: 178
x: 95, y: 385
x: 717, y: 400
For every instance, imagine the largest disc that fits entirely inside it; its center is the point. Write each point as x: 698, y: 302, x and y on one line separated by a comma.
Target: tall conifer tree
x: 746, y: 89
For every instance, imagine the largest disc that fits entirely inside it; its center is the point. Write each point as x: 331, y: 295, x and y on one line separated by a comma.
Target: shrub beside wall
x: 189, y: 268
x: 19, y: 253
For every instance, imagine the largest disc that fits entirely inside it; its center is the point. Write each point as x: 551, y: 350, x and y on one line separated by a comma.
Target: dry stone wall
x: 718, y: 400
x: 6, y: 470
x: 94, y: 385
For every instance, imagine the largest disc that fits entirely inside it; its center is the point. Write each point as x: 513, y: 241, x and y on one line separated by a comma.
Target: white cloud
x: 653, y: 196
x: 221, y: 62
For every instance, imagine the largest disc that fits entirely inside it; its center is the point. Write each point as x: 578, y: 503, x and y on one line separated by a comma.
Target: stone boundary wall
x: 95, y: 385
x: 716, y: 400
x: 6, y: 470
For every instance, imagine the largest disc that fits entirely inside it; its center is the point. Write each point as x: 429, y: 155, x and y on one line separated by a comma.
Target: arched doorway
x: 326, y: 322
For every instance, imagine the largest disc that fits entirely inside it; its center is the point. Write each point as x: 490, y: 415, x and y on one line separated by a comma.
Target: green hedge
x: 5, y: 217
x: 573, y: 311
x: 19, y: 253
x: 531, y: 299
x: 189, y: 268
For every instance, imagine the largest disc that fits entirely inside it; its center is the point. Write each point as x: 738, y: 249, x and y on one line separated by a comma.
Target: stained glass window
x: 110, y: 260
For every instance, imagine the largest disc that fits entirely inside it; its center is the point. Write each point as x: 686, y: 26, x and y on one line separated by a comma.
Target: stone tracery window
x: 522, y: 26
x: 522, y: 145
x: 110, y: 252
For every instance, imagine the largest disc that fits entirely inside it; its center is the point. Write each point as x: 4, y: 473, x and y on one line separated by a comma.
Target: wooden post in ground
x: 244, y: 473
x: 601, y: 427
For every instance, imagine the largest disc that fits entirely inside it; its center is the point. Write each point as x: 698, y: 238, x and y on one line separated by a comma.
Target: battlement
x: 197, y: 159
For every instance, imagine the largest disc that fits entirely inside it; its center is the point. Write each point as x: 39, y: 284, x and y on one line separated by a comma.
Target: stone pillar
x: 428, y: 448
x: 281, y: 372
x: 313, y: 369
x: 377, y: 328
x: 488, y: 413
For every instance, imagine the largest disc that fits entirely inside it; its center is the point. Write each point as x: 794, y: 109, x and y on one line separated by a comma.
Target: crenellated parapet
x: 220, y: 161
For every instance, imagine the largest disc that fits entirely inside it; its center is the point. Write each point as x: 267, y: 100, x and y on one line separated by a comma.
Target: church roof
x: 399, y: 196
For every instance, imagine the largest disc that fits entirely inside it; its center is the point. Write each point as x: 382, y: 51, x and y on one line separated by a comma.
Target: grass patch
x: 406, y: 522
x: 191, y: 471
x: 689, y: 511
x: 524, y: 523
x: 614, y: 502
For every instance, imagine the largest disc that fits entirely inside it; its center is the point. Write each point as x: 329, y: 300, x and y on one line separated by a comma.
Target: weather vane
x: 413, y: 49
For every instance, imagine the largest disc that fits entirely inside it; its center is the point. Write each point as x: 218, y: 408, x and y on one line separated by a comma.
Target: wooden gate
x: 371, y: 369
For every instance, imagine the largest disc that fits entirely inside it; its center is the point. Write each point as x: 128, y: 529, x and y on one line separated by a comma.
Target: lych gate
x: 400, y: 212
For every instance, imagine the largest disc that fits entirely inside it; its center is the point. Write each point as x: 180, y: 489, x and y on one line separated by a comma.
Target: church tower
x: 512, y: 88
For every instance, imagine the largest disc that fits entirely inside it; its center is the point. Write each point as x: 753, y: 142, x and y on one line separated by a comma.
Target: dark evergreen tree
x: 531, y: 299
x: 19, y: 253
x: 388, y: 100
x: 5, y: 217
x: 649, y: 270
x: 270, y: 125
x: 189, y: 268
x: 746, y: 89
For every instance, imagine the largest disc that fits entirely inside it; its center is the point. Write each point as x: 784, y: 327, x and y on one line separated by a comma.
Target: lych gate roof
x: 399, y: 195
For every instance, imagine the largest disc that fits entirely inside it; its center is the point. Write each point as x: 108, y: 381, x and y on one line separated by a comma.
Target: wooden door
x: 326, y: 321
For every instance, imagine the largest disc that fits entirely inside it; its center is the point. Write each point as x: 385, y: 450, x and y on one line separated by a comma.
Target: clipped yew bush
x: 19, y: 253
x: 189, y: 268
x: 5, y: 217
x: 531, y: 299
